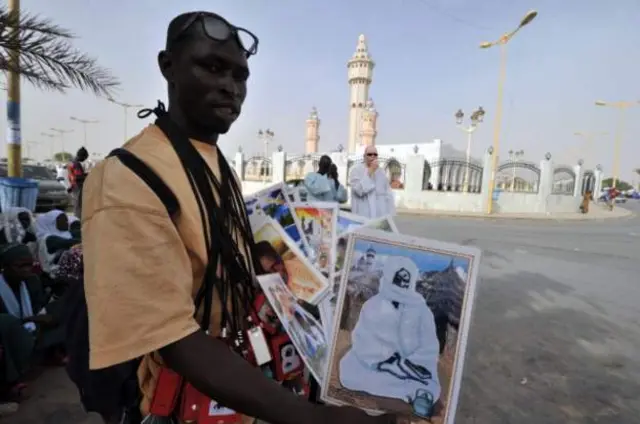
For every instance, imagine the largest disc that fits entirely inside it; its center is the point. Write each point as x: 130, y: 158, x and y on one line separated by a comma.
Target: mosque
x: 363, y: 119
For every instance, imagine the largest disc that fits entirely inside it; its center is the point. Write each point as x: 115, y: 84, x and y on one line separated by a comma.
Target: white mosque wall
x: 515, y: 192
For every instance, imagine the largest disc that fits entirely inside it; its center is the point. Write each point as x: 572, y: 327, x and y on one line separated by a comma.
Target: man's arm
x: 212, y: 368
x: 361, y: 183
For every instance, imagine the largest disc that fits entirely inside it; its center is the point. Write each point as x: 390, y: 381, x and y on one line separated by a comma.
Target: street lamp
x: 61, y: 133
x: 266, y: 136
x: 514, y: 157
x: 476, y: 117
x: 502, y: 42
x: 125, y: 107
x: 51, y: 146
x: 622, y: 107
x: 84, y: 123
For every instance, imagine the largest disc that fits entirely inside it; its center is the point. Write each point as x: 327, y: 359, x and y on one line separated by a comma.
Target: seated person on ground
x: 54, y: 238
x: 27, y: 322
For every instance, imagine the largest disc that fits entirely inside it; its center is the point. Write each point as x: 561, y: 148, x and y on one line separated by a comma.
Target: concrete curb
x: 601, y: 215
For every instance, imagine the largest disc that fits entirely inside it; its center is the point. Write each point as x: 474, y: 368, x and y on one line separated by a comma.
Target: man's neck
x: 202, y: 135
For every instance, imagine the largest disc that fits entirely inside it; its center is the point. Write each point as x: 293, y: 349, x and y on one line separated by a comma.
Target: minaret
x: 360, y: 76
x: 368, y: 131
x: 313, y: 132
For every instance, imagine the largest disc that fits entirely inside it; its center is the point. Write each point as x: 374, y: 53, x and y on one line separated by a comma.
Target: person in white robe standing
x: 394, y: 348
x: 371, y: 194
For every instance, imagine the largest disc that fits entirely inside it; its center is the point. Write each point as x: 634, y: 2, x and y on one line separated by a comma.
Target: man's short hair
x: 175, y: 26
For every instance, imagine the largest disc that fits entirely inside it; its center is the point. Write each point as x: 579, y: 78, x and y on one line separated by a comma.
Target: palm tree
x: 48, y: 59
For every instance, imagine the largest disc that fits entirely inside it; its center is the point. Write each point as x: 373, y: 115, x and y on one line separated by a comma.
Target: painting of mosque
x: 401, y: 325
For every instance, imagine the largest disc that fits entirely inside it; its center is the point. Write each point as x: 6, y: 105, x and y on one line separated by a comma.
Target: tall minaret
x: 368, y: 127
x: 360, y: 76
x: 313, y: 132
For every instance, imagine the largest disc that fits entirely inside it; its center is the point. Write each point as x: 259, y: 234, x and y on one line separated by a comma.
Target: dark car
x: 52, y: 194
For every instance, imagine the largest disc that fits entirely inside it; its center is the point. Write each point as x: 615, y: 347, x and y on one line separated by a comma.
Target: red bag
x: 286, y: 361
x: 165, y: 396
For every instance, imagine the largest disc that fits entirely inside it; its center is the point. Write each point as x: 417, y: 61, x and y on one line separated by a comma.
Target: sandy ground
x: 555, y: 333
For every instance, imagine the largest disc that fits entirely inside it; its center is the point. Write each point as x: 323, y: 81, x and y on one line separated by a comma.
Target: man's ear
x: 165, y: 63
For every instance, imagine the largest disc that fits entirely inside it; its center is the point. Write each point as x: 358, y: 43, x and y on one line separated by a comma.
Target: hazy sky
x: 428, y: 65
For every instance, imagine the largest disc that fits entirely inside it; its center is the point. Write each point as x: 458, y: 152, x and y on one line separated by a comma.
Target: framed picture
x: 348, y: 220
x: 303, y: 329
x: 277, y: 253
x: 401, y: 325
x: 274, y: 202
x: 318, y: 221
x: 328, y: 305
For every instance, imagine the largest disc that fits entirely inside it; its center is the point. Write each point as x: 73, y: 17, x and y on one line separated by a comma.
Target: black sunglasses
x: 373, y: 155
x: 219, y: 29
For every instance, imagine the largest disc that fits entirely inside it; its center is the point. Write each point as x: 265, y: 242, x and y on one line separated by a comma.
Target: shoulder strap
x: 152, y: 179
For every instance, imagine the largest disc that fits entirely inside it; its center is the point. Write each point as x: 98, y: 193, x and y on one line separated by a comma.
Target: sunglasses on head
x: 219, y: 29
x: 372, y: 155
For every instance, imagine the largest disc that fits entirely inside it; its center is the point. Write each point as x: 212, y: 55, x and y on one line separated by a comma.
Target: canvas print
x: 328, y: 306
x: 348, y: 221
x: 401, y: 325
x: 305, y: 331
x: 318, y: 223
x: 278, y: 253
x: 274, y: 202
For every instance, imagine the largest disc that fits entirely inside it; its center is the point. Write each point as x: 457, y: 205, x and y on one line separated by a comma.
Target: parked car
x: 51, y: 194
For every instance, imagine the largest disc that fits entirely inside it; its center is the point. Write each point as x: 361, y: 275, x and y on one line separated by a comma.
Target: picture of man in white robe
x: 394, y: 351
x: 371, y: 194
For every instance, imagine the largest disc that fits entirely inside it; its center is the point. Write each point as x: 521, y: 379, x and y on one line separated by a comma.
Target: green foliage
x: 620, y: 185
x: 63, y: 157
x: 48, y: 60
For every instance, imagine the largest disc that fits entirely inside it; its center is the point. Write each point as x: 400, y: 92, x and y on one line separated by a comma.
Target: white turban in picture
x: 394, y: 348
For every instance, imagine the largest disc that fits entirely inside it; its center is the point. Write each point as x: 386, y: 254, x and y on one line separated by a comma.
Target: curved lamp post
x: 622, y: 107
x: 84, y: 123
x: 476, y: 118
x: 502, y: 42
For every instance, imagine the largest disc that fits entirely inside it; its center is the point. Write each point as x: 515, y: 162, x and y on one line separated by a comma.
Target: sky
x: 424, y: 260
x: 428, y: 65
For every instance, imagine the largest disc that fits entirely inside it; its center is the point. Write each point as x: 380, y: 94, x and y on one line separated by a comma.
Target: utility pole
x: 14, y: 154
x: 125, y: 107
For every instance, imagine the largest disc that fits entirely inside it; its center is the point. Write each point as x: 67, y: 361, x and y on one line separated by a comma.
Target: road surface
x: 555, y: 334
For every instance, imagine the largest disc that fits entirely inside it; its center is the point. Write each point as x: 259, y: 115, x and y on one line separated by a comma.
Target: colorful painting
x: 278, y: 253
x: 318, y: 223
x: 303, y: 329
x: 274, y: 202
x: 401, y: 326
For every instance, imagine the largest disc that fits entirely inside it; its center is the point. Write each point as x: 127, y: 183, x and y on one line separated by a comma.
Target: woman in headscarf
x: 319, y: 186
x: 25, y: 322
x: 54, y: 238
x: 17, y: 226
x: 338, y: 191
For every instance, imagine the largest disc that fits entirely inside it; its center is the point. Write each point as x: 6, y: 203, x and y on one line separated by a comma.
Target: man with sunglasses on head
x: 144, y: 271
x: 371, y: 194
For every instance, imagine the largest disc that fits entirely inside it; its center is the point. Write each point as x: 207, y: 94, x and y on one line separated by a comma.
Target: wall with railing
x: 446, y: 184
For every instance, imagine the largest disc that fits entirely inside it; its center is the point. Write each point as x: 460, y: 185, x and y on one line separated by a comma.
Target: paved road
x: 555, y: 334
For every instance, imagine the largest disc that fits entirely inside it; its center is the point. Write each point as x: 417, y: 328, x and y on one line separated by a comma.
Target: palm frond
x: 48, y: 59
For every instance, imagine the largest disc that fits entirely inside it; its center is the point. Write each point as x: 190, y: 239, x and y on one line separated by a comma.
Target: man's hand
x: 373, y: 167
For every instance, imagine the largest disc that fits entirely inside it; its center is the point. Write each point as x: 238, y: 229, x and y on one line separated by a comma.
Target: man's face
x: 82, y: 156
x: 20, y: 269
x: 208, y: 78
x: 370, y: 154
x: 402, y: 278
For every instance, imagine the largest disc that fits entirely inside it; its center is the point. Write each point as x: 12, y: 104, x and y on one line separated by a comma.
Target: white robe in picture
x: 394, y: 348
x: 371, y: 196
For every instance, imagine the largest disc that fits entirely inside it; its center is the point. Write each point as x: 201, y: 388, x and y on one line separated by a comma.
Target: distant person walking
x: 371, y: 195
x: 77, y: 175
x: 587, y: 197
